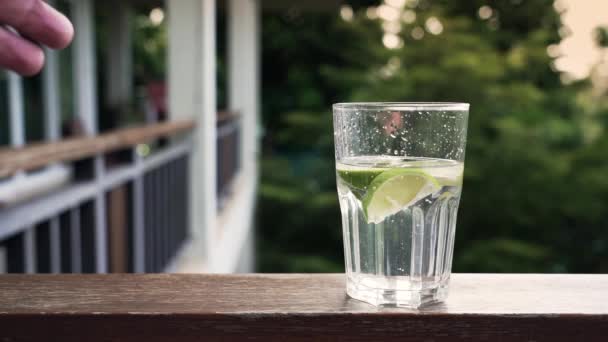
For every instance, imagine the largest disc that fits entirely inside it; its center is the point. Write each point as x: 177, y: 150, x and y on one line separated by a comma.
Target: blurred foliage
x: 601, y: 36
x: 150, y: 48
x: 535, y: 192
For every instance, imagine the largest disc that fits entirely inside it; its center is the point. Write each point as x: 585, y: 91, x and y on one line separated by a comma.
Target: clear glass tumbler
x: 399, y: 172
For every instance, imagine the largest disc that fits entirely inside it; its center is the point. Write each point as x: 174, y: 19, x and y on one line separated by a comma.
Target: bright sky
x: 579, y: 50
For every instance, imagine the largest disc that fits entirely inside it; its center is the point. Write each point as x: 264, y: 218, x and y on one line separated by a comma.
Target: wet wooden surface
x: 298, y: 307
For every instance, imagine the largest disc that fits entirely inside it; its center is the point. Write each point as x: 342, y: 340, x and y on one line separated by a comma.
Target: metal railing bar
x: 147, y: 226
x: 3, y: 260
x: 168, y: 154
x: 55, y: 242
x: 13, y: 219
x: 185, y: 198
x: 160, y: 203
x: 139, y: 245
x: 164, y: 219
x: 155, y: 227
x: 76, y: 240
x: 172, y: 203
x: 29, y: 249
x: 169, y: 225
x: 101, y: 226
x: 119, y: 176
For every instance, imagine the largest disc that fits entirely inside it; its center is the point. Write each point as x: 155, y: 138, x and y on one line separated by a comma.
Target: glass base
x: 413, y: 299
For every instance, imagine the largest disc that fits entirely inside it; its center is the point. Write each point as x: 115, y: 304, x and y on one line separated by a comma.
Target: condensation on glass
x: 399, y: 172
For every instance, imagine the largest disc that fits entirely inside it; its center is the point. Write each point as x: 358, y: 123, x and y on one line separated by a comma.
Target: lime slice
x: 358, y: 178
x: 395, y: 189
x: 447, y: 176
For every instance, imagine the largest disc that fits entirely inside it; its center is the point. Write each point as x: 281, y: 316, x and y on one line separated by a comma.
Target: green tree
x: 601, y: 36
x: 534, y: 190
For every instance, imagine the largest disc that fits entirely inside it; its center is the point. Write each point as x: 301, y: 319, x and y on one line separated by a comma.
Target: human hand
x: 37, y: 23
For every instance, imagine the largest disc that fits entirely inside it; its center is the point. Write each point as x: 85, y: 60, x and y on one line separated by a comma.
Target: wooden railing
x: 37, y: 155
x: 162, y: 307
x: 228, y: 152
x: 119, y: 214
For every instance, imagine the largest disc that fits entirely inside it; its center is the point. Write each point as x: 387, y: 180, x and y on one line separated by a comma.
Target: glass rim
x: 408, y: 106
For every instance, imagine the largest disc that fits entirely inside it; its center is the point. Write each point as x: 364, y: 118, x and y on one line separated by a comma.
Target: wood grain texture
x: 41, y: 154
x: 295, y: 307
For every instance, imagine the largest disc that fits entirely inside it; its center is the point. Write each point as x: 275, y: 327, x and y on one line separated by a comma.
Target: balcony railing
x: 228, y: 142
x: 488, y: 307
x: 116, y: 215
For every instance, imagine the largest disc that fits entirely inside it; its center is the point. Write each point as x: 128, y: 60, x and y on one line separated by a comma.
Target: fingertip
x: 19, y: 54
x: 61, y: 26
x: 67, y: 32
x: 33, y: 63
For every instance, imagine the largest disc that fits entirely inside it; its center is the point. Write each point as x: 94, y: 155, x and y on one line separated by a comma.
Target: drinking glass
x: 399, y: 173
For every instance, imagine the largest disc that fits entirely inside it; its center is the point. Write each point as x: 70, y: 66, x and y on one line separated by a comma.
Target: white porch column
x: 192, y: 94
x: 84, y: 68
x: 244, y: 73
x: 119, y: 88
x: 235, y: 252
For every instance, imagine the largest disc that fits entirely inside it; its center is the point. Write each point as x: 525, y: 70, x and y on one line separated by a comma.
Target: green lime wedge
x: 358, y: 179
x: 451, y: 176
x: 395, y: 189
